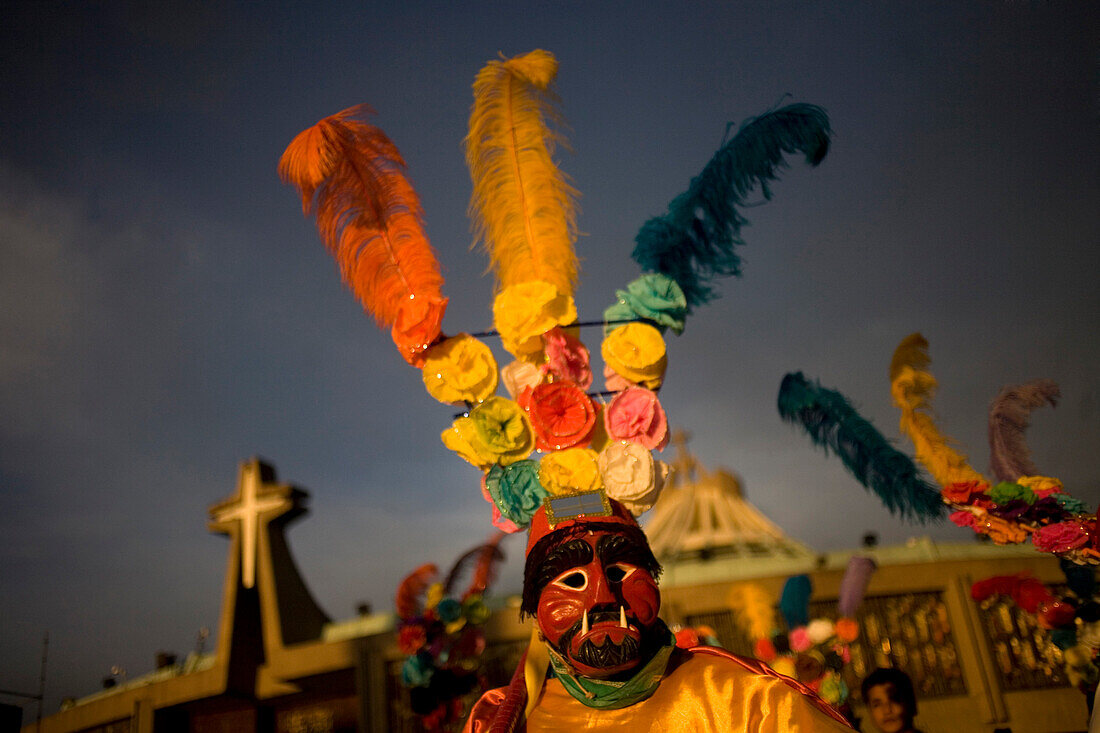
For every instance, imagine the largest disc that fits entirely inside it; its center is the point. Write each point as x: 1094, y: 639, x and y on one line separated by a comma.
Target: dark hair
x: 903, y: 686
x: 533, y: 582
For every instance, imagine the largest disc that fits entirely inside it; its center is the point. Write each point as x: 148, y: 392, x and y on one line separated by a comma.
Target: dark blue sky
x: 166, y: 312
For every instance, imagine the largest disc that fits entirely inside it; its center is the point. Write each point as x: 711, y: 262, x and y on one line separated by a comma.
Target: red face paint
x: 596, y: 576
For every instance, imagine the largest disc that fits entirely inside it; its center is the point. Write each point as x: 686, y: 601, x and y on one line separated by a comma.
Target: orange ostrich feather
x: 352, y: 177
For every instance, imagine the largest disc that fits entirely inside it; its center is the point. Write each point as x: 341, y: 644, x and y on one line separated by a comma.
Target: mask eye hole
x: 619, y: 572
x: 573, y: 579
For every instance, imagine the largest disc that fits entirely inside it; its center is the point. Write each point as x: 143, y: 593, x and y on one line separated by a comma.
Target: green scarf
x: 608, y: 695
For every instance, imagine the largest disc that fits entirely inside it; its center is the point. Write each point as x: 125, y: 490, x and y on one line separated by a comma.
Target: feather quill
x: 695, y: 242
x: 352, y: 176
x: 522, y: 208
x: 912, y: 387
x: 1009, y: 413
x: 853, y: 586
x: 834, y: 425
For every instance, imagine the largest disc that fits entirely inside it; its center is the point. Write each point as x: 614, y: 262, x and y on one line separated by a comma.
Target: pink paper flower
x: 963, y: 519
x: 636, y: 415
x: 566, y: 357
x: 1060, y: 537
x: 799, y: 640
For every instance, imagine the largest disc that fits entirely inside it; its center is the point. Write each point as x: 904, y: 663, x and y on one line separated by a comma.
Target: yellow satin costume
x: 701, y: 692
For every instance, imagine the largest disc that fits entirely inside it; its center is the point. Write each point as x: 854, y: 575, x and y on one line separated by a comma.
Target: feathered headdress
x: 834, y: 425
x: 1009, y: 413
x: 696, y: 240
x: 912, y: 387
x: 352, y: 177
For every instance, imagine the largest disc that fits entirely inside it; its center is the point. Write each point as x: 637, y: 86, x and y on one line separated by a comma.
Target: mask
x: 598, y: 603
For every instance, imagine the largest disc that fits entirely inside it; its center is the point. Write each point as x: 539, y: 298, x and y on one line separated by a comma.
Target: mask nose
x: 601, y: 590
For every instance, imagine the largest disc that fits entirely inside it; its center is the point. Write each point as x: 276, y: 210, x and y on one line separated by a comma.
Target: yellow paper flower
x: 496, y: 431
x: 433, y: 596
x: 636, y: 352
x: 569, y: 471
x: 1041, y: 483
x: 462, y: 439
x: 460, y: 369
x: 525, y: 311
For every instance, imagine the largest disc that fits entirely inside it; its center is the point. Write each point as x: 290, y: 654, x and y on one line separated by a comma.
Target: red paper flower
x: 410, y: 638
x: 562, y: 415
x: 1060, y: 537
x: 635, y: 415
x: 961, y: 491
x: 686, y: 638
x: 1056, y: 614
x: 764, y: 650
x: 963, y: 518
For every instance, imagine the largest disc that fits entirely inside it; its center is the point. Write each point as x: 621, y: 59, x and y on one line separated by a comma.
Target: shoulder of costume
x: 755, y: 666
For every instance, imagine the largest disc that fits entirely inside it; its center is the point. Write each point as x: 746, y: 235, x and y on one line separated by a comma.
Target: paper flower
x: 460, y: 369
x: 1001, y: 531
x: 1071, y: 504
x: 498, y: 520
x: 1060, y: 537
x: 566, y: 357
x: 1045, y: 510
x: 515, y: 491
x: 523, y: 312
x: 799, y: 640
x: 570, y: 471
x: 1041, y: 485
x: 635, y: 414
x: 613, y: 381
x: 631, y: 476
x: 833, y: 690
x: 417, y: 326
x: 410, y: 638
x: 847, y: 629
x: 637, y: 352
x: 961, y: 491
x: 784, y: 666
x: 561, y: 414
x: 686, y: 638
x: 764, y: 650
x: 1007, y: 491
x: 819, y: 630
x: 417, y: 670
x: 654, y: 297
x: 519, y: 375
x: 496, y: 431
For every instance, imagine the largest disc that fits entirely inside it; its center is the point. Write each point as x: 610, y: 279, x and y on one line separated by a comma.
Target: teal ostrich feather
x: 695, y: 242
x: 832, y: 423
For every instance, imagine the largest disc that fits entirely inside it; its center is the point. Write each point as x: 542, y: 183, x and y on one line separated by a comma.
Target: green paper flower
x: 1007, y: 491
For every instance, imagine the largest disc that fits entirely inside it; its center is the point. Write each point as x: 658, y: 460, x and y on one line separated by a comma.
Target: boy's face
x: 890, y: 715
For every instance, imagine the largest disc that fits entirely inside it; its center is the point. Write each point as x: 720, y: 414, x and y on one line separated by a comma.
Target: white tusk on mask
x: 622, y: 617
x: 584, y: 623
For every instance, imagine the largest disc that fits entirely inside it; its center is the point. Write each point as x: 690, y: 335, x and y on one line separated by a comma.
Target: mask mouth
x: 611, y: 655
x: 606, y: 639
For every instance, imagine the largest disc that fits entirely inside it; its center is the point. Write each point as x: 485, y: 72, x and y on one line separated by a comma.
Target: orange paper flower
x: 417, y: 326
x: 561, y: 413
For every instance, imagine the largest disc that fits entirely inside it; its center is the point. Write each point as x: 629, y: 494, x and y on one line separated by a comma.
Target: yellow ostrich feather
x: 522, y: 208
x: 754, y: 609
x: 912, y: 387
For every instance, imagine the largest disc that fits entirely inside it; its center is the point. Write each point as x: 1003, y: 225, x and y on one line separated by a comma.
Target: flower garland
x: 1032, y: 507
x: 441, y: 636
x: 1071, y: 623
x: 550, y: 436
